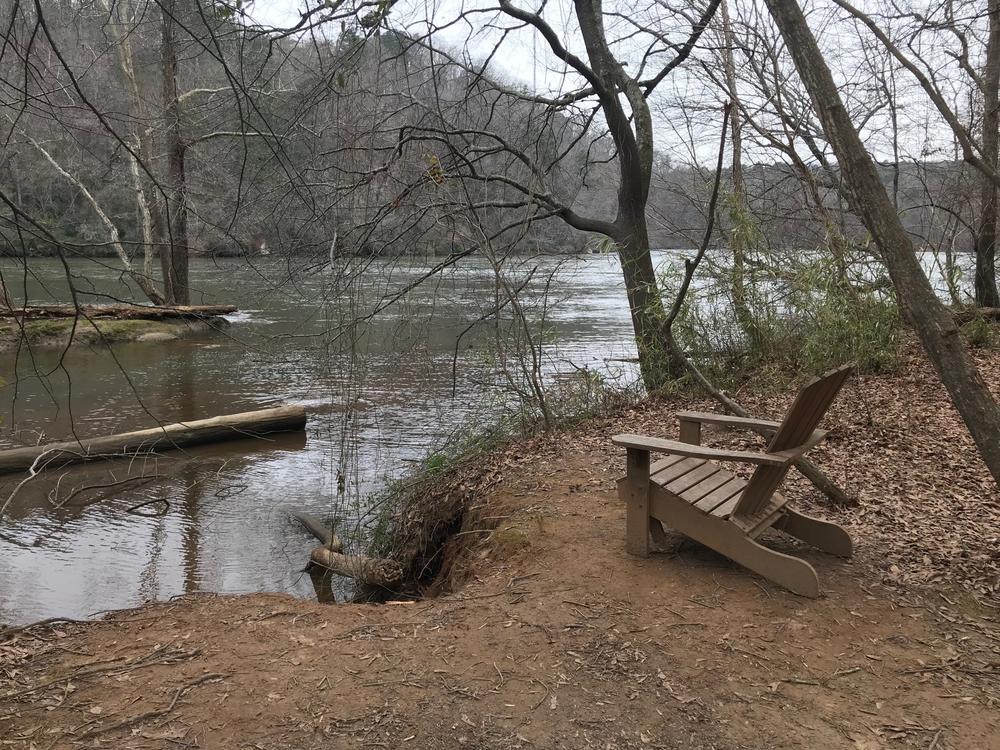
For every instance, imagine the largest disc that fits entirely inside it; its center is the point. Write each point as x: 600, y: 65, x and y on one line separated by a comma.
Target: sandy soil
x: 555, y: 638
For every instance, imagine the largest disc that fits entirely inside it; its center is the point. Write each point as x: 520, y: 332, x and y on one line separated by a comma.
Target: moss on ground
x: 56, y: 332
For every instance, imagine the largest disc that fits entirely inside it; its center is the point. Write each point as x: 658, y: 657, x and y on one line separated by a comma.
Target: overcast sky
x: 466, y: 25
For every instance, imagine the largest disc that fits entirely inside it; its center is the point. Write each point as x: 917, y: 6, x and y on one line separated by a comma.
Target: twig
x: 691, y: 266
x: 6, y: 633
x: 139, y: 718
x: 134, y: 510
x: 762, y: 588
x: 547, y: 691
x: 166, y: 656
x: 32, y: 473
x: 797, y: 681
x: 85, y: 488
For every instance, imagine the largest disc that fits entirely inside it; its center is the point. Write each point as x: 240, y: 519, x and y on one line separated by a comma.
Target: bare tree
x: 611, y: 93
x: 934, y: 325
x: 174, y: 258
x: 986, y: 240
x: 938, y: 50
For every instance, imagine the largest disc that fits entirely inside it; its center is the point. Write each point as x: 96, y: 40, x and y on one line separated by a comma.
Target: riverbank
x: 58, y: 333
x: 548, y: 635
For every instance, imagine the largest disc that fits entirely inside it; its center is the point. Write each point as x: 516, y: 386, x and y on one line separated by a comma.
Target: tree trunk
x: 142, y: 280
x: 986, y: 277
x: 174, y: 257
x: 738, y: 214
x: 656, y: 361
x: 120, y: 311
x: 241, y: 426
x: 122, y: 21
x: 933, y: 323
x: 633, y: 138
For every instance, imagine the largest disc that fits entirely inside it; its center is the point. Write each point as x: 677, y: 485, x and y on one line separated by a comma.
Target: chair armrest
x: 764, y: 426
x: 658, y: 445
x: 724, y: 420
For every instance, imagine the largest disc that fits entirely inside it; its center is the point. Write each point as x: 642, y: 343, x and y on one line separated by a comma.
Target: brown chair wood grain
x: 691, y: 493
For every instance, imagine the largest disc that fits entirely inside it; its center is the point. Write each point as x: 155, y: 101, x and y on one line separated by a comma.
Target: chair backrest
x: 797, y: 427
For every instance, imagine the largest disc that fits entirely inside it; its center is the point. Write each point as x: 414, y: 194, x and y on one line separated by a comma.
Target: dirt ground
x: 556, y: 638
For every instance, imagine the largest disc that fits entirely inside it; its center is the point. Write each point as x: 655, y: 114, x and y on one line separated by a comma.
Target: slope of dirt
x: 558, y: 639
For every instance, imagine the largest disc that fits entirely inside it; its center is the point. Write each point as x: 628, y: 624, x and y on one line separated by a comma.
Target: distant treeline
x: 302, y: 157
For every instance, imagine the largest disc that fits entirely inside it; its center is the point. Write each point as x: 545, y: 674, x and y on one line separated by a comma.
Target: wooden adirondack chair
x: 697, y: 497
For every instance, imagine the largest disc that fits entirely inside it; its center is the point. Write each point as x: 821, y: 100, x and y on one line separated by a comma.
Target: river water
x: 383, y: 391
x: 220, y: 521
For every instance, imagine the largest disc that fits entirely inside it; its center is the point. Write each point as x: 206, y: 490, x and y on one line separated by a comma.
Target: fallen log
x: 965, y: 314
x: 321, y: 531
x: 127, y: 444
x: 371, y: 571
x: 121, y: 312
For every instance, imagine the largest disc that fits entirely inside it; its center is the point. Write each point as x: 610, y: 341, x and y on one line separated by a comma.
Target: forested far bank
x: 312, y: 150
x: 937, y: 203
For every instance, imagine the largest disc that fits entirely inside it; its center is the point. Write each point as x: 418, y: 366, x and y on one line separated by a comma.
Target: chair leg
x: 635, y: 493
x: 794, y: 574
x: 823, y: 535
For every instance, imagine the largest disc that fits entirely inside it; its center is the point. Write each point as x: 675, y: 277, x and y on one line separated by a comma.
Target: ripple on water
x: 227, y: 527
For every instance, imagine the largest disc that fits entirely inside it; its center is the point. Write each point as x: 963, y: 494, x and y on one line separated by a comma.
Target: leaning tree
x: 933, y: 322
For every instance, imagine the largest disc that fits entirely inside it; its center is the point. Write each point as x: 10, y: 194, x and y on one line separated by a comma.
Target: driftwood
x: 329, y: 558
x: 228, y: 427
x: 371, y: 571
x: 318, y: 529
x: 122, y: 312
x: 966, y: 314
x: 322, y: 581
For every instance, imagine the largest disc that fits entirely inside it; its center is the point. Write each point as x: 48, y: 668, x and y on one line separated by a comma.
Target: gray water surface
x: 218, y: 515
x: 382, y: 392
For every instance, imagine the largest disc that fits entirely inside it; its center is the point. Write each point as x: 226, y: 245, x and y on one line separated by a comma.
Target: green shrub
x: 864, y: 330
x: 802, y: 312
x: 979, y: 334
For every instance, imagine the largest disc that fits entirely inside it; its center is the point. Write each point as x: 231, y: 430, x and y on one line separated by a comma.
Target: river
x: 383, y: 392
x: 372, y: 413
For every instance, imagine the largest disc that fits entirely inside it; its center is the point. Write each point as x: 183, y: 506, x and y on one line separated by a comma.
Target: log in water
x: 372, y: 571
x: 250, y: 424
x: 327, y: 537
x: 122, y: 312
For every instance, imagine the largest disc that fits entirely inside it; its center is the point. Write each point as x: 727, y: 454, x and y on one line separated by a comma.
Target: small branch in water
x: 134, y: 510
x: 88, y: 487
x: 36, y: 466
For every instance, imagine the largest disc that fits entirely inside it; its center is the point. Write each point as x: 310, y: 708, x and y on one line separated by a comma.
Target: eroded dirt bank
x: 555, y: 638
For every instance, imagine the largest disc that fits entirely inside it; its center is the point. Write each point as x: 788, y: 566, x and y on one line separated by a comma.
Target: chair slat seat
x: 715, y: 491
x: 760, y: 521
